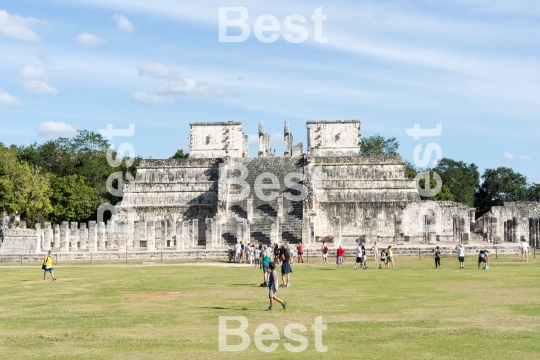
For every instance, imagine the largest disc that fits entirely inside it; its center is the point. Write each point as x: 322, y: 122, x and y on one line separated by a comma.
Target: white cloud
x: 193, y: 87
x: 510, y: 157
x: 53, y: 129
x: 123, y: 24
x: 157, y: 71
x: 38, y: 87
x: 7, y: 99
x: 150, y: 99
x: 18, y: 27
x: 36, y: 73
x: 89, y: 39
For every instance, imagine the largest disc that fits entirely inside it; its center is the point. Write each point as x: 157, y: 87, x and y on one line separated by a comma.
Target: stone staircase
x: 265, y: 212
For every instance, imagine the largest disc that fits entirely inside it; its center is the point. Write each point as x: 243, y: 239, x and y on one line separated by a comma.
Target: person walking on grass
x: 437, y: 256
x: 257, y: 256
x: 383, y: 258
x: 300, y: 251
x: 364, y: 257
x: 389, y: 257
x: 524, y: 250
x: 273, y: 287
x: 359, y: 258
x: 340, y: 254
x: 461, y: 255
x: 286, y: 269
x: 375, y: 250
x: 324, y: 253
x: 47, y: 262
x: 266, y: 259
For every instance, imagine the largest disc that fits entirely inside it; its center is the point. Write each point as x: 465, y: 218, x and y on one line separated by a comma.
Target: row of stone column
x: 510, y: 230
x: 119, y: 235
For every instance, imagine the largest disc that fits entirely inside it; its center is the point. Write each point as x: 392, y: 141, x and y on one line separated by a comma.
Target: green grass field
x: 172, y: 312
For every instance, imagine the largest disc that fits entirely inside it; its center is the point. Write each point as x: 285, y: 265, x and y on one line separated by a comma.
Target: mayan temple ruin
x: 220, y: 195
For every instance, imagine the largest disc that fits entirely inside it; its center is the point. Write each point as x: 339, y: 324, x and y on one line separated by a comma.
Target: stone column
x: 110, y: 238
x: 101, y: 236
x: 150, y: 235
x: 92, y: 236
x: 56, y: 237
x: 136, y: 239
x: 47, y: 237
x: 494, y: 231
x: 280, y: 206
x: 209, y: 223
x: 240, y: 231
x: 180, y: 241
x: 121, y: 232
x: 157, y: 236
x: 249, y: 208
x: 195, y: 232
x: 74, y: 235
x: 247, y: 230
x: 337, y: 230
x: 186, y: 236
x: 39, y: 238
x: 83, y: 236
x: 163, y: 234
x: 64, y: 236
x: 515, y: 229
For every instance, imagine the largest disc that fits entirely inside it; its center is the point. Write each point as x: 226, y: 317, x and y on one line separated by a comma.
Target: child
x: 383, y: 258
x: 257, y: 256
x: 273, y: 286
x: 324, y: 253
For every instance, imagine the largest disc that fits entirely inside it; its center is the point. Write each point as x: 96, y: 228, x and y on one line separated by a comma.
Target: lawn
x: 172, y: 312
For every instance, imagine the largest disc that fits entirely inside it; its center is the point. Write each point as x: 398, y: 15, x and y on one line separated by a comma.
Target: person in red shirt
x: 300, y: 251
x: 340, y: 254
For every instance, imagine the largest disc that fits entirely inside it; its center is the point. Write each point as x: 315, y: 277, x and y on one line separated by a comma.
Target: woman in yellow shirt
x: 389, y: 257
x: 47, y: 261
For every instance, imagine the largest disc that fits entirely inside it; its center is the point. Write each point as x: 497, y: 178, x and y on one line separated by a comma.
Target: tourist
x: 266, y: 259
x: 375, y: 250
x: 47, y: 265
x: 340, y: 254
x: 461, y: 255
x: 291, y: 252
x: 230, y: 252
x: 256, y: 256
x: 300, y: 251
x: 276, y: 253
x: 364, y: 257
x: 324, y: 251
x: 389, y: 256
x: 286, y: 269
x: 437, y: 256
x: 273, y: 286
x: 237, y: 252
x: 247, y: 250
x: 383, y: 258
x: 242, y: 252
x: 483, y: 257
x: 359, y: 259
x: 524, y: 250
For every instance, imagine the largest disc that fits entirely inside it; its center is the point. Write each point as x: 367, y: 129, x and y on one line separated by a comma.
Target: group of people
x: 386, y: 255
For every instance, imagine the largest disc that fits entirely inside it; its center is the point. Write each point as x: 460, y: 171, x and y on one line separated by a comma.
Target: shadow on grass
x: 224, y: 308
x: 250, y: 285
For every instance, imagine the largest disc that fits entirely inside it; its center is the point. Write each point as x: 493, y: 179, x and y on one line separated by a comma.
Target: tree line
x: 65, y: 179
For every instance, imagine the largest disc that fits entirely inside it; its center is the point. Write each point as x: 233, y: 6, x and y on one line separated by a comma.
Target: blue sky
x: 472, y: 66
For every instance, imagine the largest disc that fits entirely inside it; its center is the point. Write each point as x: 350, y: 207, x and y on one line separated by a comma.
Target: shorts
x: 383, y: 258
x: 49, y: 270
x: 286, y: 268
x: 265, y: 267
x: 480, y: 260
x: 271, y: 293
x: 339, y: 260
x: 301, y: 253
x: 523, y: 252
x: 389, y: 258
x: 461, y: 258
x: 325, y: 255
x: 359, y: 260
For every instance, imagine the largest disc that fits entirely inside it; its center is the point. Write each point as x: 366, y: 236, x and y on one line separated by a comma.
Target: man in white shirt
x: 237, y: 251
x: 359, y: 257
x: 524, y: 250
x: 461, y: 255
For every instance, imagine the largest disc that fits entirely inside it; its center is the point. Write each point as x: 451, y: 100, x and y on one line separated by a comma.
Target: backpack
x: 325, y: 250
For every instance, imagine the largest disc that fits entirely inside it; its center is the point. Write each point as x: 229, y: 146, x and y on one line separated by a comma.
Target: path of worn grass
x: 171, y: 312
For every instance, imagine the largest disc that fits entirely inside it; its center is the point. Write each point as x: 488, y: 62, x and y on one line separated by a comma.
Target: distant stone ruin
x: 220, y: 195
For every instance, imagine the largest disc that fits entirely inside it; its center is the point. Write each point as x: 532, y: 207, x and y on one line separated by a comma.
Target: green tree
x: 534, y: 192
x: 443, y: 195
x: 180, y: 155
x: 73, y: 199
x: 499, y: 186
x: 23, y: 189
x: 461, y: 179
x: 377, y: 145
